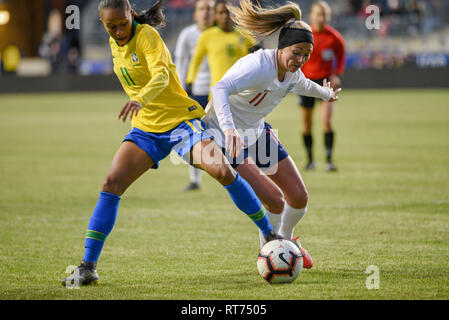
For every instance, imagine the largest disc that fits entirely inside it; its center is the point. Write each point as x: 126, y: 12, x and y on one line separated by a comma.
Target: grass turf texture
x: 388, y: 205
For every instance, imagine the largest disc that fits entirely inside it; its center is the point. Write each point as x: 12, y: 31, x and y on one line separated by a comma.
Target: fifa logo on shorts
x: 134, y: 58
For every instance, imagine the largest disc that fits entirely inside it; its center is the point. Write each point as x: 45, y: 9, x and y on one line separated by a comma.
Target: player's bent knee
x: 275, y: 203
x: 224, y: 174
x: 299, y: 200
x: 112, y: 185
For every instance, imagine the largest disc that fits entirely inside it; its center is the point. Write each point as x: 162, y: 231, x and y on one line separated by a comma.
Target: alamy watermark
x: 73, y: 19
x: 72, y: 281
x: 373, y: 279
x: 373, y: 20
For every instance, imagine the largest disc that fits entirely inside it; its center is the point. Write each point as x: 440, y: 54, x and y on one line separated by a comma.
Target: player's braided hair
x: 152, y: 16
x: 263, y: 22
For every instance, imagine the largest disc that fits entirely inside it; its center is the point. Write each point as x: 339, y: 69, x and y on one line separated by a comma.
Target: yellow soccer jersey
x: 223, y: 49
x: 146, y: 71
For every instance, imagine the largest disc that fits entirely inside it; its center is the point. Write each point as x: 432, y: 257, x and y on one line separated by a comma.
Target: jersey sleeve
x: 197, y: 58
x: 306, y: 87
x: 158, y: 60
x: 182, y: 57
x: 246, y: 73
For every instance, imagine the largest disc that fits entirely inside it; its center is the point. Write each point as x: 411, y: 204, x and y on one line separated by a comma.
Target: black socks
x: 308, y: 141
x: 329, y: 144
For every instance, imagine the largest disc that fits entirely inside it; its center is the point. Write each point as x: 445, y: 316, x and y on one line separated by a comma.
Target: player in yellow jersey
x: 222, y: 44
x: 185, y: 46
x: 164, y: 118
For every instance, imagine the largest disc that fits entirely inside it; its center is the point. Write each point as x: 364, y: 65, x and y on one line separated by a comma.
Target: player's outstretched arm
x: 308, y: 88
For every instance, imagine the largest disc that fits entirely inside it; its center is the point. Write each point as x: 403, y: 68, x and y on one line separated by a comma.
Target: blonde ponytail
x: 263, y: 22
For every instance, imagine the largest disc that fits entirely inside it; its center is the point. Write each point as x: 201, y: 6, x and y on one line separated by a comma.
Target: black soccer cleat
x: 84, y: 275
x: 192, y: 186
x: 272, y: 236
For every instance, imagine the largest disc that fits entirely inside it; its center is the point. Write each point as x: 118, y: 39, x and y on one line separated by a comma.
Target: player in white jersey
x: 185, y: 47
x: 248, y: 92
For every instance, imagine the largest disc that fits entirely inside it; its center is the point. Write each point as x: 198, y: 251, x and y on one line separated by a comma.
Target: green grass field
x: 388, y: 205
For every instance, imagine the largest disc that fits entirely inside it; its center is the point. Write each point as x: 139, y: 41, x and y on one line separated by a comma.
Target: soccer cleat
x: 272, y: 236
x: 306, y: 257
x: 192, y: 186
x: 85, y: 274
x: 310, y: 165
x: 330, y: 166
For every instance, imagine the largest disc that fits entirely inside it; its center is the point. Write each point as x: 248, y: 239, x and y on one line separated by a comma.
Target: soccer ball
x: 280, y: 261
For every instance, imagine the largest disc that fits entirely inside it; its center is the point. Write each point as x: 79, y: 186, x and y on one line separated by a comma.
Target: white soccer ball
x: 280, y: 261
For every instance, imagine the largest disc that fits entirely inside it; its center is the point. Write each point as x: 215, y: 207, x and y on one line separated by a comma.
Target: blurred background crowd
x: 34, y: 40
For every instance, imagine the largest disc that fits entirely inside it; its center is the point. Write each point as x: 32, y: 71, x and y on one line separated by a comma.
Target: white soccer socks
x: 195, y: 175
x: 289, y: 219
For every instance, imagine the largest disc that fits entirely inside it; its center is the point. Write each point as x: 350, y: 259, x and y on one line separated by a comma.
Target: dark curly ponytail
x: 152, y: 16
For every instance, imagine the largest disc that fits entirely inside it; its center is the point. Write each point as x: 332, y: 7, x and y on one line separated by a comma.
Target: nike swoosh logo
x: 281, y: 256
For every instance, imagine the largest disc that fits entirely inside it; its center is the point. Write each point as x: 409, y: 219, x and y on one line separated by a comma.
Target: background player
x: 222, y: 44
x: 249, y: 91
x: 164, y: 118
x: 185, y: 46
x: 326, y: 62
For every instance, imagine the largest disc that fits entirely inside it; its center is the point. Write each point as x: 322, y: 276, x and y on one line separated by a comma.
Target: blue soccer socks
x: 100, y: 225
x: 247, y: 201
x: 105, y: 214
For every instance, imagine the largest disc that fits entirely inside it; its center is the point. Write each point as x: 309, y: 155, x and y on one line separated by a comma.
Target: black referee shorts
x: 309, y: 102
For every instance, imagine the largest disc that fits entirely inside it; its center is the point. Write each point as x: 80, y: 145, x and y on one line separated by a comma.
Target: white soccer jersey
x: 250, y: 90
x: 185, y: 46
